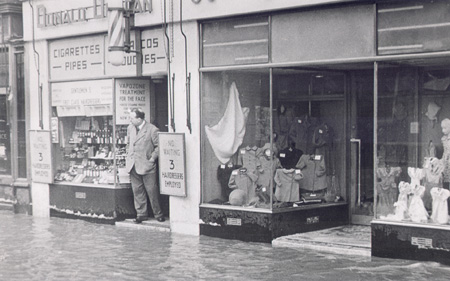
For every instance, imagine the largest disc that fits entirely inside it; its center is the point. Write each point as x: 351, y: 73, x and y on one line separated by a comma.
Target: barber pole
x: 116, y: 32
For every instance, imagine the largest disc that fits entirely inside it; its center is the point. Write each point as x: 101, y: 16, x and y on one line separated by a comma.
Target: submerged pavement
x: 64, y: 249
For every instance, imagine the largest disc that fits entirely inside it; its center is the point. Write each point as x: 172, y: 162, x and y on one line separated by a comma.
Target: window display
x: 280, y: 154
x: 413, y: 144
x: 88, y: 150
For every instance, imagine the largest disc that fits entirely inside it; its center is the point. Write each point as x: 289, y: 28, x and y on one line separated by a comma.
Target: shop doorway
x: 160, y: 118
x: 361, y: 147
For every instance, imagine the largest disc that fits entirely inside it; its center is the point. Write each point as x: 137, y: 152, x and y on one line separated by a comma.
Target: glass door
x: 361, y: 147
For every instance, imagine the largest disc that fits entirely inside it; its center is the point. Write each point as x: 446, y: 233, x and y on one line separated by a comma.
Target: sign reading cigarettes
x: 41, y: 156
x: 172, y: 165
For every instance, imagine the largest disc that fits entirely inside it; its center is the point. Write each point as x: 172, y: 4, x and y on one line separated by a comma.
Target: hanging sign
x: 131, y: 93
x: 172, y: 164
x: 41, y: 156
x: 154, y: 60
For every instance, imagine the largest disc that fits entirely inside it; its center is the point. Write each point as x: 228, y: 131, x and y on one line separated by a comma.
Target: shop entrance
x: 361, y: 147
x: 159, y: 117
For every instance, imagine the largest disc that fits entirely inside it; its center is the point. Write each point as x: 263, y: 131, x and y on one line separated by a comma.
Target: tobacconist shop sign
x: 41, y: 156
x: 172, y: 164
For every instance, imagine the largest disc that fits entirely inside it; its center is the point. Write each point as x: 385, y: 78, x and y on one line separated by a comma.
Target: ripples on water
x: 62, y: 249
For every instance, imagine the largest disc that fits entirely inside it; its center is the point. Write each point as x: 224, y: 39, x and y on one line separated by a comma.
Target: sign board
x: 81, y: 57
x: 77, y: 98
x: 172, y: 164
x: 88, y: 56
x: 131, y: 93
x: 154, y: 59
x: 41, y: 156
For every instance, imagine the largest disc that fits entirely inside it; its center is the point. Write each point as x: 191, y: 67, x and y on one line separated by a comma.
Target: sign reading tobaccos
x: 172, y: 165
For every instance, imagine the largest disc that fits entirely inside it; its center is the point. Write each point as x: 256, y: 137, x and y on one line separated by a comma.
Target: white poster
x: 131, y: 93
x: 81, y: 94
x: 172, y: 164
x: 41, y: 156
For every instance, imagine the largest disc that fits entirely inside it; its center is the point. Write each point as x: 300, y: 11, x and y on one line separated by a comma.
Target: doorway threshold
x: 344, y: 240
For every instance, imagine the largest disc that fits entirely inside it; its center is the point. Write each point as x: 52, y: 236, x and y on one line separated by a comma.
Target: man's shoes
x: 161, y: 219
x: 139, y: 219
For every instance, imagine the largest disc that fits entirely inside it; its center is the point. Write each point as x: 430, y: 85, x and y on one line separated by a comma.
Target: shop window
x: 21, y: 117
x: 412, y: 178
x: 5, y: 118
x: 284, y: 151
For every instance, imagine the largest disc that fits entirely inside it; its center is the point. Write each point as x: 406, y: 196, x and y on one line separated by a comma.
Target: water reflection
x: 61, y: 249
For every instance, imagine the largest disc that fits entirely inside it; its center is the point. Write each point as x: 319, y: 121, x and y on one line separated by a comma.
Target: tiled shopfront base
x: 411, y: 241
x: 97, y: 204
x: 264, y: 226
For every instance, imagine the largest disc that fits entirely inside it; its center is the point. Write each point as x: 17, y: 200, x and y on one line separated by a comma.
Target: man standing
x: 141, y: 164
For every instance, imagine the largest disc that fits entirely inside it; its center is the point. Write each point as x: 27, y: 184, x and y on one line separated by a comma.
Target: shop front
x: 279, y: 155
x: 323, y: 117
x: 301, y: 117
x: 14, y: 179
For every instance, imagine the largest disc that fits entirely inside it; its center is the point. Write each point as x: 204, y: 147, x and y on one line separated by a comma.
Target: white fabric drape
x: 226, y: 136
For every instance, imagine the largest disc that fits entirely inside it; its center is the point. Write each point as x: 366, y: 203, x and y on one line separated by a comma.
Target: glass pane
x: 4, y: 67
x: 413, y: 143
x: 237, y: 166
x: 86, y: 150
x: 5, y: 147
x: 309, y: 129
x: 21, y: 125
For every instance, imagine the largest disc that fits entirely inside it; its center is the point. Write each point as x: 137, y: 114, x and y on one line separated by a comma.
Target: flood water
x: 63, y: 249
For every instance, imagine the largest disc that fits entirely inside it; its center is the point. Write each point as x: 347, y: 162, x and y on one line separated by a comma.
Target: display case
x: 92, y: 151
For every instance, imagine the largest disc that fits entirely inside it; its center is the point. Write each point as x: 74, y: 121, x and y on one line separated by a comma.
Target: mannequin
x: 440, y: 206
x: 445, y: 125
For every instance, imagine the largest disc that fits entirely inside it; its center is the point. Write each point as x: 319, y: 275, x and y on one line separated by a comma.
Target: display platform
x: 102, y: 204
x: 411, y: 241
x: 259, y: 225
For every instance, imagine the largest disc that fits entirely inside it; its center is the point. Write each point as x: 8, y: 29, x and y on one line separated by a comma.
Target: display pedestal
x: 259, y: 225
x: 102, y: 204
x: 399, y: 240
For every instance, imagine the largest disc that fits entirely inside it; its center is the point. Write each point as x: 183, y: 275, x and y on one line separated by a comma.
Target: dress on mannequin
x: 440, y: 205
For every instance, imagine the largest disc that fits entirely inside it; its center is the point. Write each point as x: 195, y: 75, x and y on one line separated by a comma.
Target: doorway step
x: 151, y: 224
x: 345, y: 240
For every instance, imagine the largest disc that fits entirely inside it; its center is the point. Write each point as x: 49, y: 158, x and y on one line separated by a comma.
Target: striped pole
x: 116, y: 34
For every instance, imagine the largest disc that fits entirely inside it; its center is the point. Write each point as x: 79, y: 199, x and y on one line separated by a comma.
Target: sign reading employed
x: 172, y: 165
x: 74, y: 98
x: 131, y: 93
x: 41, y: 156
x: 77, y: 57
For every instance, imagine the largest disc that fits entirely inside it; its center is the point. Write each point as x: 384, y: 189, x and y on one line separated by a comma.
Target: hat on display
x: 432, y: 111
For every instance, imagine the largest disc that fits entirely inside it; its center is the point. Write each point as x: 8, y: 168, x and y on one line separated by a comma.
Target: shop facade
x: 14, y: 179
x: 296, y: 117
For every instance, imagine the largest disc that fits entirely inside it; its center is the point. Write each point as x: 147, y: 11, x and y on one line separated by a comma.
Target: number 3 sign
x: 172, y: 164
